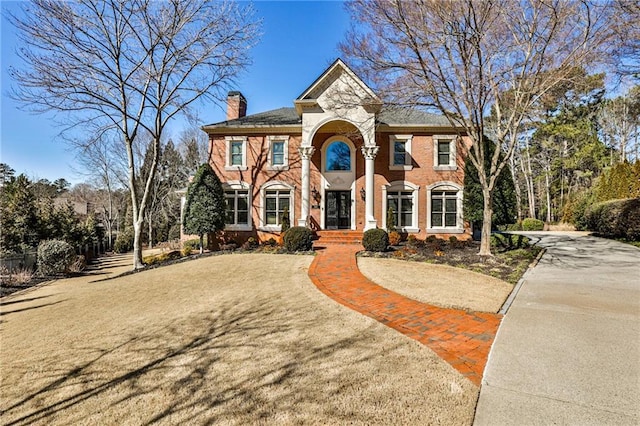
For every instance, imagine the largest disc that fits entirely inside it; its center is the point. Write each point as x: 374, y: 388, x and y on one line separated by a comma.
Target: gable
x: 337, y: 87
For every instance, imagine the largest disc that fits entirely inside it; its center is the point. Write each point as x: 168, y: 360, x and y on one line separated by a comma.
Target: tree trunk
x: 485, y: 240
x: 150, y: 229
x: 201, y: 243
x: 137, y: 245
x: 516, y: 185
x: 528, y: 178
x: 548, y: 194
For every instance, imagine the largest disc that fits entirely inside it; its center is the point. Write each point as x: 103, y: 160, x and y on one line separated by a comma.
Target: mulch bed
x: 512, y: 255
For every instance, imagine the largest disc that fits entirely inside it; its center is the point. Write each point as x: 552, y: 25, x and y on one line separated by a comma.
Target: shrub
x: 271, y: 242
x: 455, y: 243
x: 615, y: 219
x: 531, y: 224
x: 162, y: 257
x: 286, y: 222
x: 79, y: 264
x: 394, y: 238
x: 55, y: 257
x: 435, y: 243
x: 298, y: 238
x: 375, y: 240
x: 124, y: 241
x: 250, y: 244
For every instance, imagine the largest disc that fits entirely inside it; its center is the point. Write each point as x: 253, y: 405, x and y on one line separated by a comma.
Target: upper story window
x: 444, y: 152
x: 236, y: 153
x: 278, y: 153
x: 400, y: 152
x: 338, y: 157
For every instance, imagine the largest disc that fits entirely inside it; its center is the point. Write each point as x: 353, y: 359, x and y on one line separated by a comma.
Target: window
x: 276, y: 198
x: 238, y: 215
x: 444, y: 206
x: 400, y: 152
x: 444, y: 210
x: 278, y: 153
x: 402, y: 204
x: 276, y: 202
x: 338, y: 157
x: 402, y: 197
x: 444, y: 153
x: 236, y: 153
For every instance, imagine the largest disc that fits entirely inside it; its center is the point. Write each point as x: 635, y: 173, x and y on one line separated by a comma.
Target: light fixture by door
x: 363, y: 194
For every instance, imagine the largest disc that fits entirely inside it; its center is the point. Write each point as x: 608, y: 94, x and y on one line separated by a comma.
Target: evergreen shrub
x: 55, y: 257
x: 375, y: 240
x: 298, y: 238
x: 615, y: 219
x: 531, y: 224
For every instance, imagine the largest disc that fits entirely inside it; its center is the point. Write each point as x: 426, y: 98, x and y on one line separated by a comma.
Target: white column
x: 305, y: 153
x: 369, y: 153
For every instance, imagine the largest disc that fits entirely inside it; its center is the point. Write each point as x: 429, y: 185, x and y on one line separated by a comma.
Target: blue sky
x: 299, y: 41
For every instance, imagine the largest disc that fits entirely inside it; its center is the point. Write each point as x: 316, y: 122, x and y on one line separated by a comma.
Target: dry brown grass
x: 439, y: 285
x: 234, y: 339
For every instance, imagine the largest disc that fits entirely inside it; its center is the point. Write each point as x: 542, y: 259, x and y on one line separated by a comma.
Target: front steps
x: 339, y: 236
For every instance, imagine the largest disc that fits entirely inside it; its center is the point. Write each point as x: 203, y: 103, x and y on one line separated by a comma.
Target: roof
x: 288, y: 117
x: 274, y: 118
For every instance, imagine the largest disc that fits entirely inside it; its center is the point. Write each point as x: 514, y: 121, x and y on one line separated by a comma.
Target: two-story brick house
x: 338, y: 159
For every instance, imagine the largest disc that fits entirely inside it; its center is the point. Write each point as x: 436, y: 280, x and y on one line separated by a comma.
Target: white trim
x: 453, y: 165
x: 228, y: 166
x: 446, y: 186
x: 276, y: 185
x: 278, y: 138
x: 401, y: 185
x: 408, y: 162
x: 243, y: 186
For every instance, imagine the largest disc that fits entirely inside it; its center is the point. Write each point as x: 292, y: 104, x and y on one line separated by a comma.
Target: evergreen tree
x: 204, y: 210
x: 504, y: 199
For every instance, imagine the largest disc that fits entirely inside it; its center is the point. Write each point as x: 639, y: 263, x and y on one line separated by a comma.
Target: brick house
x: 338, y: 159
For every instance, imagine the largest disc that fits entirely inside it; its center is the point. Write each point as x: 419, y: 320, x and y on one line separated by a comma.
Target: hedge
x: 530, y: 224
x: 615, y: 219
x: 55, y: 257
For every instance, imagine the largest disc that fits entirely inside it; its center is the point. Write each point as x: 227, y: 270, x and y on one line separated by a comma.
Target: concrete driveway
x: 568, y: 349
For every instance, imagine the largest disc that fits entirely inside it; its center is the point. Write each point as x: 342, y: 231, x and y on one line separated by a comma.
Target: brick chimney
x: 236, y: 105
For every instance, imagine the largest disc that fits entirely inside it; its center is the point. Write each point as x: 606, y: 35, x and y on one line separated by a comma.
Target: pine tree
x: 204, y: 210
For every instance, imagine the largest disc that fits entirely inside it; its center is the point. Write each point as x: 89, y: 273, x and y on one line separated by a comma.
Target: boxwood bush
x: 375, y: 240
x: 298, y: 238
x: 615, y: 219
x: 55, y: 257
x: 531, y: 224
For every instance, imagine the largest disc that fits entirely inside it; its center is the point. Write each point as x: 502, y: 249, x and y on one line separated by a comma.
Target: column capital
x: 306, y: 152
x: 370, y: 152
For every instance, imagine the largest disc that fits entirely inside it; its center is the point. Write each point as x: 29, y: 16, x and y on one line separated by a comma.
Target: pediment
x: 338, y: 86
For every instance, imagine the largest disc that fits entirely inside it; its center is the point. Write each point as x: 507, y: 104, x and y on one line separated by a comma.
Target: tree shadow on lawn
x: 241, y: 361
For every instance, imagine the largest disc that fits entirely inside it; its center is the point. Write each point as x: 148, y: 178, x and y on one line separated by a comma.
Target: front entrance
x: 338, y: 210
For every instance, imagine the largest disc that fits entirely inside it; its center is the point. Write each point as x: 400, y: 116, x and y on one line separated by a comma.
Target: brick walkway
x: 461, y: 338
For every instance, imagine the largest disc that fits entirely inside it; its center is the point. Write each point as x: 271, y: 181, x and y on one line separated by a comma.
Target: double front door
x: 338, y: 210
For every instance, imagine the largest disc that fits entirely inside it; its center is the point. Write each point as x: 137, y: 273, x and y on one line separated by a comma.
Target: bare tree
x: 130, y: 67
x: 482, y: 63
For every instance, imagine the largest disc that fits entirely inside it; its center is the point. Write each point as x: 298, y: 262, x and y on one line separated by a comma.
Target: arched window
x: 277, y: 197
x: 338, y: 157
x: 444, y: 208
x: 402, y: 198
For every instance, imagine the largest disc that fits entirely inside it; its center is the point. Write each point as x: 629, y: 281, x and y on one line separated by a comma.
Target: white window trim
x: 282, y: 138
x: 401, y: 185
x: 352, y: 150
x: 446, y: 186
x: 408, y: 159
x: 237, y: 185
x: 452, y: 152
x: 276, y: 185
x: 229, y: 139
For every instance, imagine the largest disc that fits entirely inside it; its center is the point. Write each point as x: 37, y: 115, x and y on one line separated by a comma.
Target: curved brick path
x: 461, y: 338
